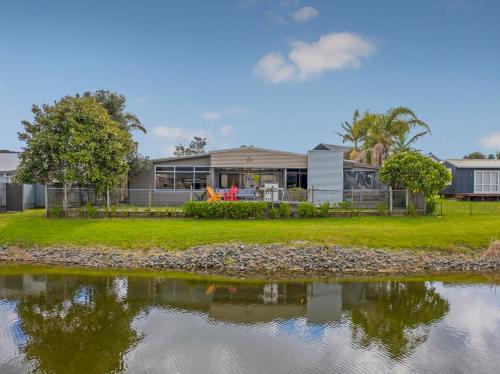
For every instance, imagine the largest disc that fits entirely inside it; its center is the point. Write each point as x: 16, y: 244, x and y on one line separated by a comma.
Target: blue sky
x: 272, y: 73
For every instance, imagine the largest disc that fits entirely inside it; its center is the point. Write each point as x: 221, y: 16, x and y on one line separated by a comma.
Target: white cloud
x: 273, y: 68
x: 305, y: 14
x: 226, y: 130
x: 210, y: 116
x: 171, y: 133
x: 491, y: 141
x: 215, y: 115
x: 332, y: 52
x: 170, y: 136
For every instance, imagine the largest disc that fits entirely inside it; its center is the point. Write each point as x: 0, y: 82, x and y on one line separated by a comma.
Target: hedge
x: 224, y: 209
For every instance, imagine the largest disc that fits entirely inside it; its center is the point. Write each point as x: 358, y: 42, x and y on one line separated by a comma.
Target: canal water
x: 57, y: 322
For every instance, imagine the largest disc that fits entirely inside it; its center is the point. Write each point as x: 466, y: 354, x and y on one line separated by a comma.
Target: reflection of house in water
x: 26, y: 284
x: 243, y: 303
x: 324, y: 303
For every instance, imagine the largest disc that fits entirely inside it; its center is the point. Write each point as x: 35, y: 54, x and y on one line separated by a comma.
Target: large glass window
x: 296, y: 178
x: 164, y: 180
x: 486, y: 181
x: 183, y: 180
x: 181, y: 177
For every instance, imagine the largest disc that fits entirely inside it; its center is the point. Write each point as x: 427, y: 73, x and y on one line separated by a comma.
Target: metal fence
x: 3, y: 196
x: 389, y: 200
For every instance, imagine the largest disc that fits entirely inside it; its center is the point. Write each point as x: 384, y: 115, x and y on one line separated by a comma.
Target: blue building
x: 474, y: 178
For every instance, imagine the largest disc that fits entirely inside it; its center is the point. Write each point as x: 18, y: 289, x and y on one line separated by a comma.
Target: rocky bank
x: 250, y: 260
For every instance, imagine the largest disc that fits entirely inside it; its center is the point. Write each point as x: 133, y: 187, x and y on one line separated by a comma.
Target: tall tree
x: 195, y: 147
x: 114, y: 103
x: 379, y: 135
x: 497, y: 155
x: 73, y: 141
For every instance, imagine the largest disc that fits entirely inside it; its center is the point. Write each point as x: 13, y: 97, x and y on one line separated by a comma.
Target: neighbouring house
x: 12, y: 196
x: 251, y: 168
x: 473, y: 178
x: 8, y: 165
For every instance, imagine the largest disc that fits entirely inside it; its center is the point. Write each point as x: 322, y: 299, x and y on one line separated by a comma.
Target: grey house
x: 473, y: 178
x: 250, y: 168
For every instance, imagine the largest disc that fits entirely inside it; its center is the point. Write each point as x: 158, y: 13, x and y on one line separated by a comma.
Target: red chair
x: 231, y: 194
x: 234, y: 193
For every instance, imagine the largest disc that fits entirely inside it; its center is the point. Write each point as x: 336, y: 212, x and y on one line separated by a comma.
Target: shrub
x: 55, y: 212
x: 342, y: 205
x: 224, y: 209
x: 285, y: 211
x: 382, y: 208
x: 274, y: 213
x: 91, y: 211
x: 306, y: 210
x: 430, y: 206
x: 324, y: 209
x: 412, y: 211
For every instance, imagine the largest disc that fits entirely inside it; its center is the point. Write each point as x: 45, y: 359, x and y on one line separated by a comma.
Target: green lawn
x: 456, y: 230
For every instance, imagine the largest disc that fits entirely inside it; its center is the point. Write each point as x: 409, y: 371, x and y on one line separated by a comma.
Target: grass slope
x: 456, y: 230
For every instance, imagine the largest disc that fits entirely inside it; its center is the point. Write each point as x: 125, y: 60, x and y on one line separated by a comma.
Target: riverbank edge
x: 253, y: 261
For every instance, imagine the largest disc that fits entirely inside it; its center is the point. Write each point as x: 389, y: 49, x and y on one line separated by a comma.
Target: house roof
x: 238, y: 149
x: 433, y: 156
x: 331, y: 147
x: 8, y: 161
x: 475, y: 164
x: 353, y: 164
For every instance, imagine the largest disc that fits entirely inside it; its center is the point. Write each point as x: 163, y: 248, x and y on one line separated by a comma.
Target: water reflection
x: 103, y: 324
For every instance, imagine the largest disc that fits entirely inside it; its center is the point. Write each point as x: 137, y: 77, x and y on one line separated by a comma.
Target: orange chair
x: 213, y: 196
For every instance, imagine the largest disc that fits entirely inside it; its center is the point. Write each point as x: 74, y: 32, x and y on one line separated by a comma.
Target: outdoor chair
x: 212, y: 196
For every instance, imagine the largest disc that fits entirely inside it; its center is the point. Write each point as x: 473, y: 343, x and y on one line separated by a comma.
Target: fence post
x: 65, y: 200
x: 191, y: 193
x: 108, y: 202
x: 149, y: 198
x: 46, y: 198
x: 352, y: 197
x: 390, y: 200
x: 407, y: 199
x: 312, y: 194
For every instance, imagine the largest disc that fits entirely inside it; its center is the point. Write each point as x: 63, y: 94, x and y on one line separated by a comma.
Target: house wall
x: 462, y: 180
x: 254, y: 158
x: 325, y: 171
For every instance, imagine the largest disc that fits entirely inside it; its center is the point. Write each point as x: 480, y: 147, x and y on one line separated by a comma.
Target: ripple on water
x: 107, y: 324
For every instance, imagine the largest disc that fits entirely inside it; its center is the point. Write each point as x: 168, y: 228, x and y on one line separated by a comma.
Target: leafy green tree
x: 475, y: 156
x: 74, y: 141
x: 195, y: 147
x: 416, y: 172
x: 395, y: 315
x: 137, y: 163
x: 79, y: 325
x: 497, y: 155
x: 114, y: 103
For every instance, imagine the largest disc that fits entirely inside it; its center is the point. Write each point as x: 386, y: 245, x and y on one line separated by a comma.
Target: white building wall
x: 325, y: 174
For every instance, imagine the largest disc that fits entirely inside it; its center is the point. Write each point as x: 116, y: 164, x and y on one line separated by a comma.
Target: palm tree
x: 392, y: 127
x: 351, y: 133
x: 133, y: 123
x: 402, y: 143
x: 114, y: 103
